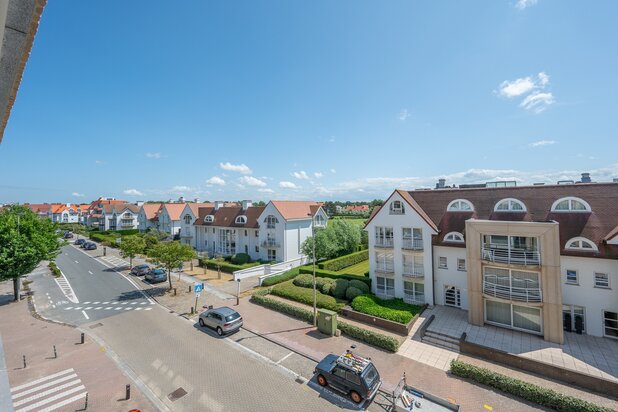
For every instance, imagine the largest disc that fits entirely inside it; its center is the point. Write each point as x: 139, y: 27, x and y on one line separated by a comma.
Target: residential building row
x: 542, y: 259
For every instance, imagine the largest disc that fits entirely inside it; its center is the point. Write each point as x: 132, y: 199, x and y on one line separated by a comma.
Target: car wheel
x: 219, y: 331
x: 201, y: 322
x: 356, y: 398
x: 322, y: 380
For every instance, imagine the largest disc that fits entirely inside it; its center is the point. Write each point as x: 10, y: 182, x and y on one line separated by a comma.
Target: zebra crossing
x: 66, y: 288
x: 115, y: 261
x: 112, y: 305
x: 48, y: 393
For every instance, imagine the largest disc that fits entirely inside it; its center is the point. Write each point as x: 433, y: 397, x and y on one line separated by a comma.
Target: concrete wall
x: 450, y: 276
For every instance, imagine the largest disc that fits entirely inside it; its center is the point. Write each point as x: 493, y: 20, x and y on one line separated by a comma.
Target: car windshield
x: 232, y: 317
x: 159, y: 272
x: 370, y: 375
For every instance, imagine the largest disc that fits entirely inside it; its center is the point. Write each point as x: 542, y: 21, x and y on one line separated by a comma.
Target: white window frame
x: 457, y: 292
x: 461, y: 264
x: 456, y: 206
x: 241, y: 220
x: 510, y: 202
x: 268, y: 254
x: 604, y: 284
x: 454, y: 237
x: 571, y: 199
x: 605, y: 327
x: 415, y: 296
x: 533, y: 332
x: 442, y: 262
x: 209, y: 219
x: 386, y: 289
x: 396, y: 208
x: 570, y: 282
x: 572, y: 312
x: 187, y: 219
x: 577, y: 243
x: 271, y: 221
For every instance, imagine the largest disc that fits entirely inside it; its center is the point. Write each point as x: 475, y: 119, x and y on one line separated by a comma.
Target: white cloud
x: 541, y: 143
x: 133, y: 192
x: 331, y: 140
x: 99, y: 162
x: 181, y: 189
x: 522, y: 4
x: 537, y: 102
x: 403, y: 115
x: 215, y: 181
x: 288, y: 185
x: 333, y: 171
x: 318, y: 175
x: 300, y: 175
x: 77, y: 194
x: 266, y: 190
x: 241, y: 168
x: 543, y: 79
x: 252, y: 181
x: 155, y: 155
x: 516, y: 87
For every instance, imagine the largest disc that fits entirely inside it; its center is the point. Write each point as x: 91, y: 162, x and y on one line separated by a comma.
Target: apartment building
x: 541, y: 259
x: 94, y: 211
x: 119, y: 216
x: 147, y: 217
x: 188, y: 216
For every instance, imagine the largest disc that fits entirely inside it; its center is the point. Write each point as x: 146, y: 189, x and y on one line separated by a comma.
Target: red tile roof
x: 293, y: 209
x: 226, y: 216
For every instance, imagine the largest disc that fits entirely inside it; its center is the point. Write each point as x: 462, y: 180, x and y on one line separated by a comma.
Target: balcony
x: 387, y: 267
x: 514, y: 256
x: 270, y: 243
x: 384, y: 242
x: 412, y: 244
x: 532, y: 295
x: 413, y: 270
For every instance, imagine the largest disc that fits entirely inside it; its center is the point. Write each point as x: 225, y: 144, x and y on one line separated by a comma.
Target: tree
x: 131, y: 246
x: 339, y: 238
x: 219, y: 261
x: 79, y: 230
x: 25, y: 241
x: 170, y: 255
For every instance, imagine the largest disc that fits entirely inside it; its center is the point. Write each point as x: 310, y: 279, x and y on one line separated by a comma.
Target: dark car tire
x: 322, y: 380
x: 201, y: 321
x: 219, y: 331
x: 356, y: 398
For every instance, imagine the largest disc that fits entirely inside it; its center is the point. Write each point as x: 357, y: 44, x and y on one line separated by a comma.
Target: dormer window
x: 455, y: 237
x: 460, y: 205
x: 397, y: 207
x: 209, y: 219
x: 241, y: 220
x: 187, y: 219
x: 510, y: 205
x: 319, y: 220
x: 581, y: 244
x: 571, y: 204
x: 270, y: 221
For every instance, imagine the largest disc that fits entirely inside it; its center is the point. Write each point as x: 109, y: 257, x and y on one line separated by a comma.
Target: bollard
x: 174, y: 291
x: 189, y: 288
x: 24, y: 357
x: 82, y: 338
x: 127, y: 390
x: 192, y: 310
x: 104, y: 251
x: 86, y: 403
x: 55, y: 353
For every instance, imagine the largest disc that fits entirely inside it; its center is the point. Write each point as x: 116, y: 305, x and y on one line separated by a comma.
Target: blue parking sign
x: 198, y: 288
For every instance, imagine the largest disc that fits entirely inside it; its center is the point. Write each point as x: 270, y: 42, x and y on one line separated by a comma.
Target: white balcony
x: 532, y: 295
x: 270, y: 243
x: 414, y: 271
x: 412, y: 244
x: 388, y: 267
x: 384, y: 242
x: 514, y: 256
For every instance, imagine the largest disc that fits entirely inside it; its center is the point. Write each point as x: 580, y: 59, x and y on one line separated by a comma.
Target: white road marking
x: 64, y: 402
x: 285, y: 357
x: 90, y: 272
x: 147, y: 308
x: 98, y: 308
x: 43, y: 386
x: 77, y: 262
x: 51, y: 399
x: 104, y: 303
x: 85, y: 315
x: 43, y: 379
x: 45, y: 393
x: 133, y: 303
x: 66, y: 288
x: 118, y: 308
x: 86, y: 303
x: 95, y: 303
x: 138, y: 308
x: 108, y: 308
x: 142, y: 303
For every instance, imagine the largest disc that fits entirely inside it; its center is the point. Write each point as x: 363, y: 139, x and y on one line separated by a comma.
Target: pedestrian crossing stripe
x: 48, y: 393
x: 111, y: 308
x: 117, y: 303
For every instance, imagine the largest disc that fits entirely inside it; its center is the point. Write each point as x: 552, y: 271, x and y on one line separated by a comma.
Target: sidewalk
x: 76, y: 370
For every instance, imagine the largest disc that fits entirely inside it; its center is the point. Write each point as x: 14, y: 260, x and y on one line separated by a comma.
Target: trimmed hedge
x: 359, y: 285
x: 341, y: 285
x: 390, y: 309
x: 54, y: 269
x: 352, y: 293
x: 533, y: 393
x: 334, y: 275
x: 303, y: 295
x: 124, y: 232
x: 322, y: 284
x: 262, y: 299
x: 225, y: 266
x: 240, y: 259
x: 344, y: 261
x: 273, y: 280
x: 373, y: 338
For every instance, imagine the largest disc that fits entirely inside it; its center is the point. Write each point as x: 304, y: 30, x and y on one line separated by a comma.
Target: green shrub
x: 304, y: 295
x: 54, y: 269
x: 531, y: 392
x: 225, y: 266
x: 304, y: 281
x: 241, y: 259
x: 359, y: 285
x: 322, y: 284
x: 334, y: 275
x: 341, y: 285
x: 352, y: 293
x: 344, y: 261
x: 273, y: 280
x: 262, y: 299
x: 373, y: 338
x: 327, y: 286
x: 390, y: 309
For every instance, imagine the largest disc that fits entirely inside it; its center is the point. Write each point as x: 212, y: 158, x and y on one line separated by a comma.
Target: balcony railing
x: 512, y: 293
x: 419, y: 299
x: 412, y: 244
x: 415, y: 271
x: 380, y: 242
x: 385, y: 267
x: 270, y: 243
x: 494, y: 253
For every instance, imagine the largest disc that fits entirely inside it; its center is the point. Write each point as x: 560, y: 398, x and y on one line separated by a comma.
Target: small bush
x: 359, y: 285
x: 373, y: 338
x: 225, y: 266
x: 395, y: 310
x: 344, y: 261
x: 54, y: 269
x: 341, y: 285
x: 262, y: 299
x: 334, y: 275
x: 273, y: 280
x: 533, y: 393
x: 304, y: 280
x: 241, y: 259
x: 352, y: 293
x: 304, y: 295
x: 322, y: 284
x: 327, y: 287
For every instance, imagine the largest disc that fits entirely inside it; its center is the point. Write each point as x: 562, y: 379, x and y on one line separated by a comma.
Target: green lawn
x: 358, y: 269
x: 360, y: 222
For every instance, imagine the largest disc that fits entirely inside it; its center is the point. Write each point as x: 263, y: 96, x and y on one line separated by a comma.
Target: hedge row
x: 273, y: 280
x: 54, y: 269
x: 225, y: 266
x: 533, y: 393
x: 395, y: 310
x: 303, y: 295
x: 123, y: 232
x: 344, y: 261
x: 333, y: 275
x: 372, y: 338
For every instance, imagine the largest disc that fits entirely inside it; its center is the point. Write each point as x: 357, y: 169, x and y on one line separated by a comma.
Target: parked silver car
x: 223, y: 320
x: 140, y: 270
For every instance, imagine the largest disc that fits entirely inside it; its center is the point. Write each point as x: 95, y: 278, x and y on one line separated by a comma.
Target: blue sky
x: 324, y: 100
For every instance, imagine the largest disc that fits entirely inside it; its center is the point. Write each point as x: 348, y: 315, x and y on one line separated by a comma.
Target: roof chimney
x: 246, y: 204
x: 196, y: 200
x: 441, y: 184
x: 181, y: 199
x: 219, y: 204
x: 586, y: 178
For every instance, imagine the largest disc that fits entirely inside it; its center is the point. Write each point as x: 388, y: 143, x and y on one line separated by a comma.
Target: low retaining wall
x: 425, y: 325
x: 546, y: 370
x: 389, y: 325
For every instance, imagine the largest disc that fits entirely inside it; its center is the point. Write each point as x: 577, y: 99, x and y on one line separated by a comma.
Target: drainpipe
x: 433, y: 282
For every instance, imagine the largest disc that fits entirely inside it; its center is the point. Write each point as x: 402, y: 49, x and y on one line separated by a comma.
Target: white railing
x: 418, y: 300
x: 512, y: 293
x: 515, y: 256
x: 384, y: 242
x: 413, y: 244
x: 385, y: 267
x: 270, y: 243
x: 413, y: 270
x: 265, y: 271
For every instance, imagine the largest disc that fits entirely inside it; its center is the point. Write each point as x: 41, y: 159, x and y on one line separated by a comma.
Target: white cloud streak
x: 241, y: 168
x: 287, y: 185
x: 318, y: 175
x: 523, y: 4
x: 536, y: 99
x: 252, y: 181
x: 403, y: 115
x: 215, y: 181
x: 266, y: 190
x: 155, y: 155
x: 133, y: 192
x: 302, y: 175
x: 77, y: 194
x: 537, y: 102
x: 542, y: 143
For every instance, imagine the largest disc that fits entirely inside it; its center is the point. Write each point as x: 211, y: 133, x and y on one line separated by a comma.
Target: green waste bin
x: 327, y: 322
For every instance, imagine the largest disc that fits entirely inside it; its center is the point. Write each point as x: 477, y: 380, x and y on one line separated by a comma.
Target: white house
x: 118, y: 216
x: 147, y: 217
x: 188, y: 216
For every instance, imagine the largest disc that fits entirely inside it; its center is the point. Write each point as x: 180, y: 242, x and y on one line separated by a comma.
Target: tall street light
x: 315, y: 295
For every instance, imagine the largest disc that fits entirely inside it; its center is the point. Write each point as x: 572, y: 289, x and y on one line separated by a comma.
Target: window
x: 570, y: 204
x: 385, y: 286
x: 270, y: 221
x: 272, y: 254
x: 460, y: 205
x: 513, y: 316
x: 318, y: 220
x: 339, y: 372
x: 442, y: 263
x: 187, y: 219
x: 384, y: 236
x: 571, y: 277
x: 385, y: 262
x: 352, y: 377
x: 241, y: 220
x: 461, y: 264
x: 257, y: 233
x: 573, y: 318
x: 414, y: 292
x: 452, y: 296
x: 206, y: 243
x: 412, y: 238
x: 601, y: 280
x: 454, y: 237
x: 610, y: 323
x: 245, y: 232
x: 209, y: 219
x: 581, y: 243
x: 257, y: 249
x: 510, y: 205
x: 396, y: 207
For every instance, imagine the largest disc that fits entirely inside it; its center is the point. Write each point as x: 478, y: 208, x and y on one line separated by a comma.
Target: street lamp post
x: 315, y: 295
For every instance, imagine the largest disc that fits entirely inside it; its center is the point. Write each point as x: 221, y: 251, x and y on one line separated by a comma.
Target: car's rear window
x: 232, y: 317
x: 370, y: 375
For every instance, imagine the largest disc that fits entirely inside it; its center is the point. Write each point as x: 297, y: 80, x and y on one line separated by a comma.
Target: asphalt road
x: 180, y: 365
